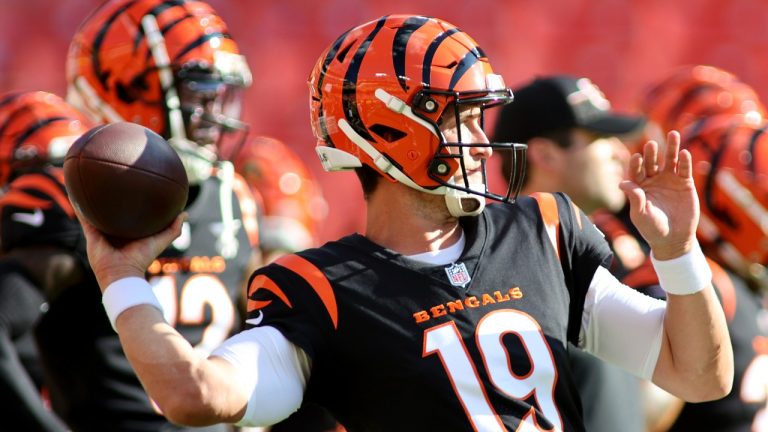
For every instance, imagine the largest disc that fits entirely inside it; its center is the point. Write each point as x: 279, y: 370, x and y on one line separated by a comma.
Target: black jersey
x: 200, y: 279
x: 397, y: 344
x: 199, y: 284
x: 744, y: 408
x: 34, y: 211
x: 631, y: 254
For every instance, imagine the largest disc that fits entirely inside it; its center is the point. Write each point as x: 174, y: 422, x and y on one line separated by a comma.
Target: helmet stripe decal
x: 170, y: 25
x: 683, y: 103
x: 349, y: 92
x: 326, y: 62
x: 400, y: 44
x: 426, y: 67
x: 13, y: 115
x: 40, y: 123
x: 709, y: 186
x: 328, y: 59
x: 464, y: 65
x: 200, y: 41
x: 10, y: 98
x: 751, y: 148
x: 44, y: 186
x: 157, y: 11
x: 99, y: 39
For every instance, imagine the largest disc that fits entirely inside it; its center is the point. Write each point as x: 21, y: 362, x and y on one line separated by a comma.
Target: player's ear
x: 544, y: 154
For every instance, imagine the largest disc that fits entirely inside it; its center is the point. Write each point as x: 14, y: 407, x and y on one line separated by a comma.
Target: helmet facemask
x: 464, y: 197
x: 210, y: 103
x: 211, y: 109
x: 377, y: 95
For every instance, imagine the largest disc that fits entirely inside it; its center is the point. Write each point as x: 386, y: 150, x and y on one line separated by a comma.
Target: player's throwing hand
x: 112, y: 262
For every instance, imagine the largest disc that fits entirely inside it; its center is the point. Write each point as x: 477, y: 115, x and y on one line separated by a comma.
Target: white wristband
x: 126, y: 293
x: 686, y: 274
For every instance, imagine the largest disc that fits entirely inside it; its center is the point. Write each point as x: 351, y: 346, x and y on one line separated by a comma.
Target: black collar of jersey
x: 476, y: 237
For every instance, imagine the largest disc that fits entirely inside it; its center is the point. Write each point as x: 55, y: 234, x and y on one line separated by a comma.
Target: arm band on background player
x: 126, y: 293
x: 684, y: 275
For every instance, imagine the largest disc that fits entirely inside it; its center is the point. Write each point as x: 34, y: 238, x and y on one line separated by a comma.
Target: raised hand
x: 663, y: 202
x: 111, y: 262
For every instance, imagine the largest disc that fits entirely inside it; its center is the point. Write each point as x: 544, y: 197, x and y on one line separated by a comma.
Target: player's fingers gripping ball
x: 126, y: 180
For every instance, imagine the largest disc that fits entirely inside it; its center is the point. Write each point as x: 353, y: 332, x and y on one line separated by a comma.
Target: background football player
x: 722, y: 119
x: 173, y: 67
x: 42, y: 249
x: 290, y: 201
x: 730, y: 156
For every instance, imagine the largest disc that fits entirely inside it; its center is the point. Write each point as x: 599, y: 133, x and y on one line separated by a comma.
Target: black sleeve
x: 583, y: 249
x: 283, y: 299
x: 20, y: 308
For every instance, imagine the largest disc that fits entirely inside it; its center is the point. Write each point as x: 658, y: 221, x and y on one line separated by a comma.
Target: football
x: 126, y: 180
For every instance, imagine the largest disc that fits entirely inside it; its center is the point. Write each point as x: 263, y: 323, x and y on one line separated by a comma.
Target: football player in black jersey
x: 171, y: 66
x: 732, y: 178
x: 290, y: 201
x: 574, y: 146
x: 722, y: 119
x: 42, y: 249
x: 445, y: 314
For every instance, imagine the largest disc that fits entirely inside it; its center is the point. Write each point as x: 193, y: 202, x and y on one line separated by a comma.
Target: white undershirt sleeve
x: 621, y: 325
x: 272, y: 370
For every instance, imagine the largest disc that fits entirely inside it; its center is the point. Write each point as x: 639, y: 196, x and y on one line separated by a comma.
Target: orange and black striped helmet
x: 378, y: 92
x: 691, y: 93
x: 730, y: 170
x: 169, y: 65
x: 292, y: 203
x: 36, y: 129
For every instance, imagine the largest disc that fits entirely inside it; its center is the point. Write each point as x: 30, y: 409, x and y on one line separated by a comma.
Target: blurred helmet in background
x: 169, y: 65
x: 36, y: 129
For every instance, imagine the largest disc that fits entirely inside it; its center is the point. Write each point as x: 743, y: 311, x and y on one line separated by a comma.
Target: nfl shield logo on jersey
x: 458, y: 274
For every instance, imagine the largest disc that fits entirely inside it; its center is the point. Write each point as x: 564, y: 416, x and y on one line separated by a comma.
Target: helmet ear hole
x: 387, y: 133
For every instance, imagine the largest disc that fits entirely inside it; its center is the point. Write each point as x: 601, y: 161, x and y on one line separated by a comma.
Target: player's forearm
x: 696, y: 360
x: 187, y: 387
